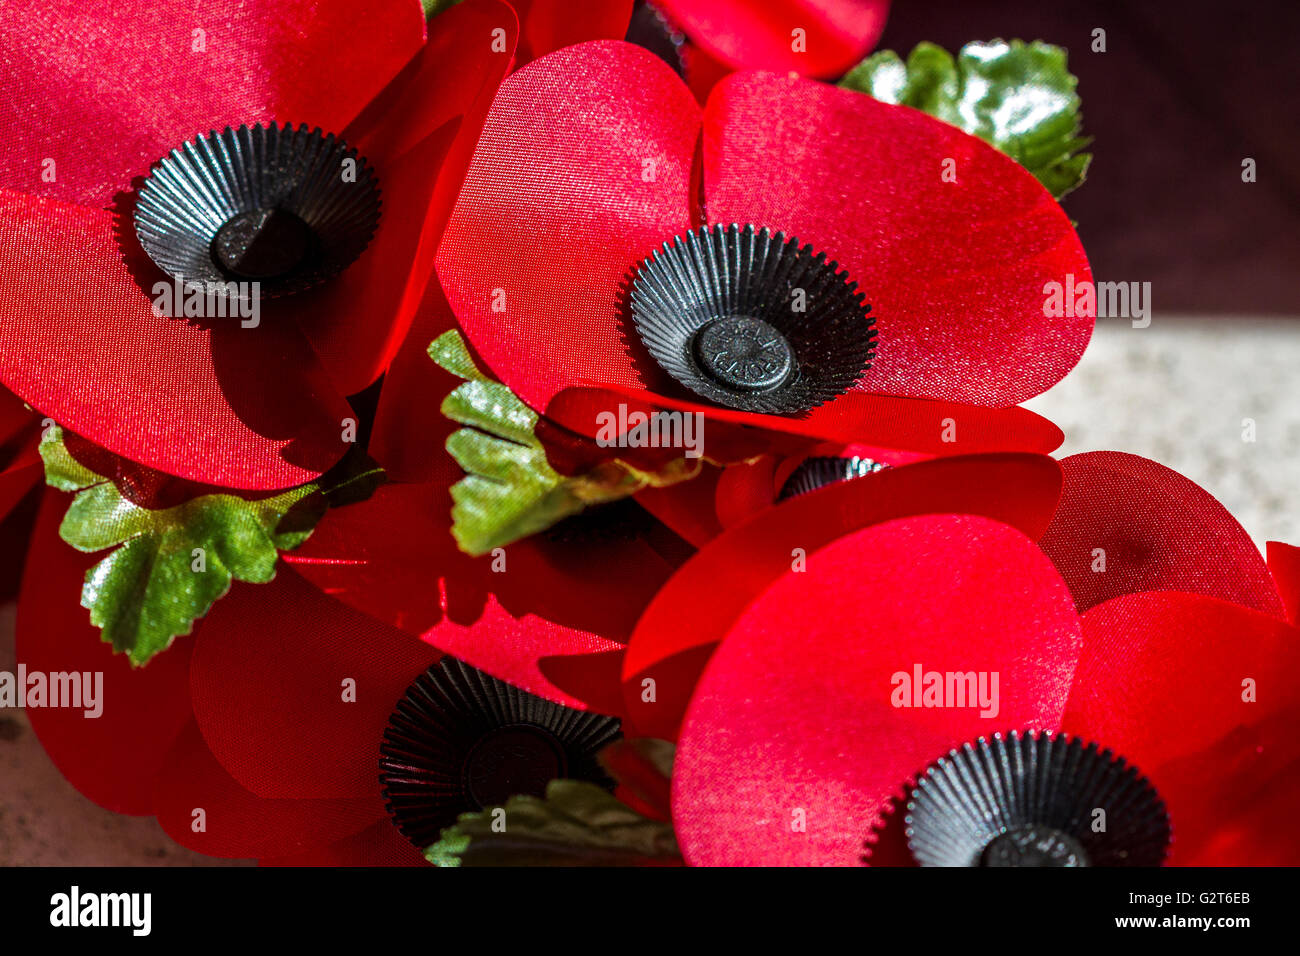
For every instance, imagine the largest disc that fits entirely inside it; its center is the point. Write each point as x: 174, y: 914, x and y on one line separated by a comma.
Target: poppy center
x: 461, y: 740
x: 743, y: 353
x: 510, y: 760
x: 752, y: 319
x: 262, y: 243
x: 1034, y: 845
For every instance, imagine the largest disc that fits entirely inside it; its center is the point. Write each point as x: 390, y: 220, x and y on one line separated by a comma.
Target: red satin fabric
x: 208, y: 400
x: 106, y: 91
x: 267, y: 683
x: 553, y: 621
x: 588, y: 161
x: 114, y: 758
x: 759, y: 34
x: 696, y: 608
x: 1160, y: 681
x: 794, y: 711
x: 1159, y: 531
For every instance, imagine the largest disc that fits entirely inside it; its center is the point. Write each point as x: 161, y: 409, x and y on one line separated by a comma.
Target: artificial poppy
x: 265, y: 734
x: 1165, y: 710
x: 596, y: 156
x: 255, y: 403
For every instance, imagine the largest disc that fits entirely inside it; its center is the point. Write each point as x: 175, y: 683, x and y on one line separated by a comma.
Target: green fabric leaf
x: 1017, y: 96
x: 510, y: 490
x: 434, y: 7
x: 168, y: 566
x: 576, y: 824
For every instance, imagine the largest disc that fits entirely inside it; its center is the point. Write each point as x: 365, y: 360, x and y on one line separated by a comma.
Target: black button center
x: 510, y: 760
x: 743, y: 353
x: 262, y: 244
x: 1034, y: 845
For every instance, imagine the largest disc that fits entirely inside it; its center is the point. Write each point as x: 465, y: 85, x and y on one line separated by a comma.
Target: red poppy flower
x: 1190, y: 690
x: 250, y: 407
x: 270, y: 720
x: 818, y: 38
x: 597, y: 155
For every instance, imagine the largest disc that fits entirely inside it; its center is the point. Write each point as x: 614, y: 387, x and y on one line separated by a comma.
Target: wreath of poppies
x: 597, y: 423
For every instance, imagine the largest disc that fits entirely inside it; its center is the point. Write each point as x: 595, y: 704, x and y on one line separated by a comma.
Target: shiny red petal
x: 955, y: 271
x: 1162, y: 682
x: 292, y: 690
x: 797, y: 718
x: 822, y: 38
x: 204, y: 808
x: 692, y: 612
x: 113, y: 758
x: 584, y: 168
x: 1128, y: 524
x: 919, y: 425
x: 225, y: 405
x: 103, y: 92
x: 1284, y: 565
x: 542, y: 621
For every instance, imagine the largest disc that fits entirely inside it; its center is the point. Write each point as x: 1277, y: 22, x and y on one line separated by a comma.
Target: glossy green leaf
x: 1019, y: 97
x: 576, y: 824
x: 169, y: 565
x: 510, y: 490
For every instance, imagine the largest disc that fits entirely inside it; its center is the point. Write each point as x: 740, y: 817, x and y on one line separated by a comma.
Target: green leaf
x: 168, y: 566
x: 1017, y: 96
x: 434, y: 7
x: 511, y: 490
x: 576, y: 824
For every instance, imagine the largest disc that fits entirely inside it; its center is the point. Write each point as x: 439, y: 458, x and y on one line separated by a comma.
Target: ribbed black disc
x: 820, y: 471
x: 1035, y: 800
x: 461, y: 740
x: 284, y: 207
x: 752, y: 320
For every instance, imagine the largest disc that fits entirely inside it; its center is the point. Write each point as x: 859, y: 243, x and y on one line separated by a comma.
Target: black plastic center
x: 1034, y: 845
x: 510, y: 760
x: 743, y: 353
x: 262, y: 244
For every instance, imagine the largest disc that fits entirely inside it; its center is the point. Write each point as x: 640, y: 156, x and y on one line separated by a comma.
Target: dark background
x: 1183, y: 93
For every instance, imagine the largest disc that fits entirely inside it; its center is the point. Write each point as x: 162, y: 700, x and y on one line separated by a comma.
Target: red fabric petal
x: 548, y: 25
x: 1284, y: 564
x: 692, y: 612
x: 559, y: 204
x: 226, y: 405
x: 929, y: 427
x: 955, y: 271
x: 419, y: 135
x: 796, y: 711
x: 113, y: 758
x: 1158, y: 530
x: 543, y: 623
x: 1161, y: 682
x: 237, y: 824
x: 761, y: 34
x: 688, y: 507
x: 378, y: 845
x: 271, y: 662
x: 106, y: 91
